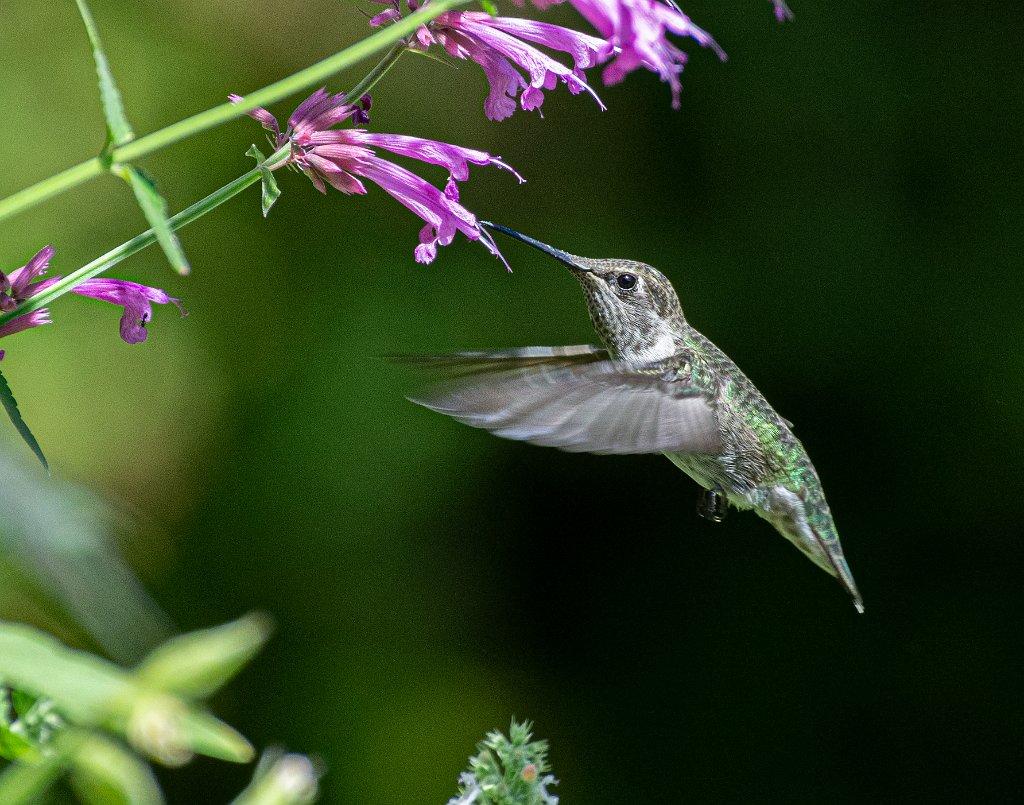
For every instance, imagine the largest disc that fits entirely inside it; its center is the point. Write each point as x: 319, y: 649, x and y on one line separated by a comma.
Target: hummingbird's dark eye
x: 627, y: 282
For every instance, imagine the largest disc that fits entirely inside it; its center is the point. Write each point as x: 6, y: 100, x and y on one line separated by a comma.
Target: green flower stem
x: 65, y: 180
x: 314, y: 74
x: 377, y: 73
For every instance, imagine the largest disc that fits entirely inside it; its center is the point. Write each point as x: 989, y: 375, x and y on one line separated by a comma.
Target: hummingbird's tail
x: 814, y: 533
x: 839, y: 568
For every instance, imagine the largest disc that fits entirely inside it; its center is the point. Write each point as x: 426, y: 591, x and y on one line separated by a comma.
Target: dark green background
x: 839, y: 207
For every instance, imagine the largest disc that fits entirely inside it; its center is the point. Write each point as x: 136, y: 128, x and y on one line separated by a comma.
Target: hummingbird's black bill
x: 558, y: 254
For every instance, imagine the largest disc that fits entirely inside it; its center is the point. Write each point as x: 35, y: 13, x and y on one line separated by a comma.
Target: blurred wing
x: 576, y: 400
x: 483, y: 361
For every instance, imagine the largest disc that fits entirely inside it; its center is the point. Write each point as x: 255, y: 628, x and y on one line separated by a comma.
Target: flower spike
x: 342, y: 157
x: 501, y: 46
x: 638, y: 32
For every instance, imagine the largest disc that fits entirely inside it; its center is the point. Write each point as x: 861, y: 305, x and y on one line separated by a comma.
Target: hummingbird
x: 656, y: 386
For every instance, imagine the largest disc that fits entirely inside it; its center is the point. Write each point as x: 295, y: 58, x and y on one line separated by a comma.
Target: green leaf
x: 14, y: 747
x: 76, y: 574
x: 271, y: 192
x: 119, y: 131
x: 11, y: 406
x: 23, y: 784
x: 23, y: 702
x: 198, y: 663
x: 155, y: 209
x: 210, y: 736
x: 86, y: 689
x: 104, y: 772
x: 489, y: 7
x: 441, y: 57
x: 92, y: 692
x: 27, y: 725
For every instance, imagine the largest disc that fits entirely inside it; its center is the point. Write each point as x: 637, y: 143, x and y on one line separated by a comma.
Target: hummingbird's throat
x: 655, y: 344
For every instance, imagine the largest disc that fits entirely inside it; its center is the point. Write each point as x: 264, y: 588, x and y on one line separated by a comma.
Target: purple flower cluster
x: 339, y: 157
x: 500, y: 45
x: 634, y: 34
x: 638, y: 31
x: 25, y: 282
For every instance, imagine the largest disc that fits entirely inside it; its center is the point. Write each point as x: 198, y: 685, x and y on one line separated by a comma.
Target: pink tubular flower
x: 26, y: 322
x: 337, y: 157
x: 497, y: 45
x: 782, y: 12
x: 24, y: 283
x: 638, y: 31
x: 386, y: 16
x: 133, y: 297
x: 19, y: 285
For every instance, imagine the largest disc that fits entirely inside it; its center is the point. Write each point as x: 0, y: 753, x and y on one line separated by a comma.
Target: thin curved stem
x: 314, y: 74
x: 377, y: 73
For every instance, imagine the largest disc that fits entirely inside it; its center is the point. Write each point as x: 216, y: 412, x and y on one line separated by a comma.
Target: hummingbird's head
x: 633, y: 306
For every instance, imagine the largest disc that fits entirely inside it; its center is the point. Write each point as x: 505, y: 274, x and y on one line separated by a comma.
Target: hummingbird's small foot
x: 712, y: 504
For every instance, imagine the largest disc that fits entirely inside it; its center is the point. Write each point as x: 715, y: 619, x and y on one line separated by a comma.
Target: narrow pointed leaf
x: 15, y: 747
x: 271, y: 192
x: 119, y: 131
x: 155, y: 209
x: 207, y: 735
x: 104, y: 772
x: 91, y: 692
x: 11, y: 406
x: 86, y: 689
x: 441, y: 57
x: 199, y: 663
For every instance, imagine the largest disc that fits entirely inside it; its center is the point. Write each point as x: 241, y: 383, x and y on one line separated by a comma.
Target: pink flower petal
x: 453, y: 157
x: 25, y: 322
x: 21, y: 277
x: 136, y: 300
x: 497, y: 45
x: 267, y: 120
x: 390, y: 15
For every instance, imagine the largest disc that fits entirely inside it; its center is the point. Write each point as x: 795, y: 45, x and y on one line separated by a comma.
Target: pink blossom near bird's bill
x: 342, y: 157
x: 27, y: 281
x: 502, y: 47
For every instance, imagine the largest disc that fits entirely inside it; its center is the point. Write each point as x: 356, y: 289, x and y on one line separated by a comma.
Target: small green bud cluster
x: 508, y: 771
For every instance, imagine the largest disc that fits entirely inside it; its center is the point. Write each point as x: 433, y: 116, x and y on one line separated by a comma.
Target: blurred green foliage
x: 839, y: 208
x: 61, y: 708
